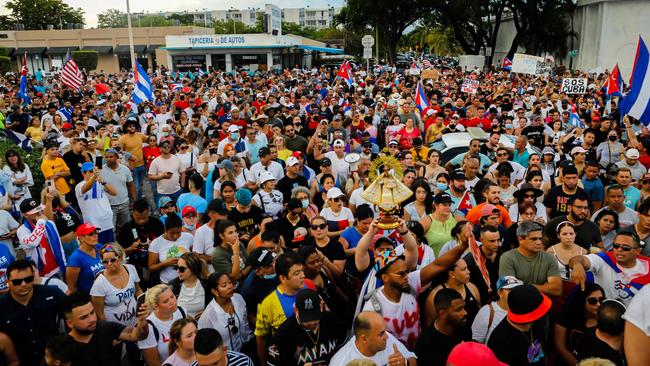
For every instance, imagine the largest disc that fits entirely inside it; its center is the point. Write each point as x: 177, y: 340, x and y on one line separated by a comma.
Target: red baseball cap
x: 188, y: 210
x: 298, y: 154
x: 66, y: 126
x: 473, y: 353
x: 85, y: 229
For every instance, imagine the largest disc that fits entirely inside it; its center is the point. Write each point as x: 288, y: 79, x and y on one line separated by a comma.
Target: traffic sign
x: 367, y: 52
x: 367, y: 41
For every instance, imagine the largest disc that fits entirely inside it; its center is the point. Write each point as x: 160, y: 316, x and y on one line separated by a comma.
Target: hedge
x: 5, y: 64
x: 32, y: 160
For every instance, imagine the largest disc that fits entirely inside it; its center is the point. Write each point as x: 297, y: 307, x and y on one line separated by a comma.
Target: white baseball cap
x: 334, y: 192
x: 266, y: 176
x: 292, y: 160
x: 233, y: 128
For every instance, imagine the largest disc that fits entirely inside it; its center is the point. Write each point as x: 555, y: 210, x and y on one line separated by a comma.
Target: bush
x: 86, y: 59
x: 32, y: 160
x: 5, y: 64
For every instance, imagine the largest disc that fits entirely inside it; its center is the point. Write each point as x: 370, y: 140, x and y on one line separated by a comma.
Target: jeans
x: 121, y: 215
x: 138, y: 179
x: 174, y: 196
x: 106, y: 236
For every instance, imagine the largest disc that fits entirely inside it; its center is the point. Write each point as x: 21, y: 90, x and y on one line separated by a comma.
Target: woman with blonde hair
x: 181, y: 343
x: 189, y: 287
x: 161, y: 301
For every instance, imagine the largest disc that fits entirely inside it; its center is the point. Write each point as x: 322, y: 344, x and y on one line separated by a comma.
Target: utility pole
x: 131, y: 48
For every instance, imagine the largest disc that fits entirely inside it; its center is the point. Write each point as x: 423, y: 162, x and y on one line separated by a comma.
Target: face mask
x: 147, y: 110
x: 305, y: 203
x: 442, y: 186
x: 234, y: 136
x: 269, y: 276
x: 452, y: 126
x: 166, y: 133
x: 189, y: 227
x: 508, y: 127
x: 613, y: 138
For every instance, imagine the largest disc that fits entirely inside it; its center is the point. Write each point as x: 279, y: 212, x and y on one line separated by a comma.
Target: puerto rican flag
x: 637, y: 101
x: 507, y: 63
x: 345, y: 72
x: 614, y: 84
x: 421, y: 100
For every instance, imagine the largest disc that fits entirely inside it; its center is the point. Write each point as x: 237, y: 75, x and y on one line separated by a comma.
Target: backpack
x: 156, y: 332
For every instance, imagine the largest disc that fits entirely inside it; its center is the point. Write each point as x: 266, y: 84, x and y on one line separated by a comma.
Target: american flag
x: 71, y: 75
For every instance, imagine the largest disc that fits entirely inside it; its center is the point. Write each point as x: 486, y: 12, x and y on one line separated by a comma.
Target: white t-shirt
x: 161, y: 119
x: 480, y: 331
x: 357, y: 200
x: 256, y: 169
x: 174, y: 360
x: 343, y: 219
x: 340, y: 167
x: 170, y: 249
x: 95, y: 206
x: 216, y: 318
x: 187, y: 159
x: 269, y: 202
x: 244, y: 177
x: 173, y: 165
x: 162, y: 344
x: 120, y: 304
x: 402, y: 318
x: 192, y: 299
x: 350, y: 352
x: 204, y: 242
x: 616, y: 284
x: 638, y: 312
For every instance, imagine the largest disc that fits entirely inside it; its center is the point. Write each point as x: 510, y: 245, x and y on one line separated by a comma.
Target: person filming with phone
x: 167, y: 171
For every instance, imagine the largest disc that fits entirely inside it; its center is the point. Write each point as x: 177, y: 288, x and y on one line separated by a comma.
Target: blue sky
x: 92, y: 8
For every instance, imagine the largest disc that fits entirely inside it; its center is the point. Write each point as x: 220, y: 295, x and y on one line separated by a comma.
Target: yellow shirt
x: 284, y: 154
x: 133, y: 144
x: 34, y: 133
x: 272, y: 312
x: 435, y: 131
x: 49, y: 167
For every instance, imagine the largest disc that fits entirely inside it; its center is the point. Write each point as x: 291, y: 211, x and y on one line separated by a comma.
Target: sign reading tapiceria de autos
x: 229, y: 40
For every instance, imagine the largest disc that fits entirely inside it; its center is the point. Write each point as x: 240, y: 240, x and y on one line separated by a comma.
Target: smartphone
x: 50, y: 187
x: 99, y: 161
x: 135, y: 233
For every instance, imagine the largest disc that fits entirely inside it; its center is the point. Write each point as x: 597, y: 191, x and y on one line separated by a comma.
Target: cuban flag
x: 175, y: 86
x: 574, y: 117
x: 143, y: 90
x: 202, y: 73
x: 345, y: 72
x: 637, y: 101
x: 421, y: 100
x: 18, y: 139
x: 614, y: 84
x: 507, y: 63
x: 23, y: 94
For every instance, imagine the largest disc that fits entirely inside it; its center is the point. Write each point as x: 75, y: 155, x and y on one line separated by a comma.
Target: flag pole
x: 131, y: 48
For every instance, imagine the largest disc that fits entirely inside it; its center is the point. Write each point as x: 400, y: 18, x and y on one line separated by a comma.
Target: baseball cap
x: 261, y: 257
x: 225, y: 164
x: 548, y: 151
x: 85, y: 229
x: 164, y: 201
x: 110, y: 150
x: 233, y: 128
x: 632, y: 153
x: 384, y: 260
x: 442, y: 197
x: 458, y: 174
x: 393, y: 142
x: 264, y: 151
x: 431, y: 112
x: 580, y: 150
x: 334, y: 192
x: 571, y: 169
x: 87, y: 166
x: 338, y: 143
x: 244, y: 196
x: 292, y: 160
x: 67, y: 126
x: 188, y: 210
x: 308, y: 305
x: 489, y: 209
x: 325, y: 162
x: 299, y: 234
x: 266, y: 176
x: 298, y: 154
x: 508, y: 282
x: 29, y: 206
x: 471, y: 354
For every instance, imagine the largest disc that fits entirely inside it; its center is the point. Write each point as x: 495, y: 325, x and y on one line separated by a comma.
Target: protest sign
x: 574, y: 86
x: 529, y: 64
x: 469, y: 86
x: 430, y: 74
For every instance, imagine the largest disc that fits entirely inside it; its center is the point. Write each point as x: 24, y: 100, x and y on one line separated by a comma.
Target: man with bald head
x: 371, y: 341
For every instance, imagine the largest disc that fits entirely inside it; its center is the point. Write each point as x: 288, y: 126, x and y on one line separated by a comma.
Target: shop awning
x: 29, y: 50
x: 123, y: 49
x: 102, y: 50
x: 337, y: 51
x: 60, y: 50
x: 153, y: 47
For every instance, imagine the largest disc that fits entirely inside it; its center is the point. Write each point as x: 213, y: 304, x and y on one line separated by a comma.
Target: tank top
x: 471, y: 304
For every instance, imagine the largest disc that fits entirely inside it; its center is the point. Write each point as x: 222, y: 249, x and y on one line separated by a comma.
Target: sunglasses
x: 529, y: 196
x: 623, y: 247
x: 502, y: 154
x: 180, y: 269
x: 20, y: 281
x: 336, y: 199
x: 183, y: 147
x: 107, y: 261
x: 319, y: 227
x: 231, y: 325
x: 595, y: 300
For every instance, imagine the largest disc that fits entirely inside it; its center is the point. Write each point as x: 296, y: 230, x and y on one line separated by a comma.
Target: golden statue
x: 386, y: 190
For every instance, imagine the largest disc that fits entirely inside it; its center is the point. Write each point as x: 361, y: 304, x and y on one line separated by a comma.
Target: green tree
x: 232, y: 27
x: 439, y: 41
x: 111, y: 18
x: 389, y: 17
x: 150, y: 21
x: 86, y: 60
x: 5, y: 64
x: 183, y: 19
x: 37, y: 14
x: 6, y: 23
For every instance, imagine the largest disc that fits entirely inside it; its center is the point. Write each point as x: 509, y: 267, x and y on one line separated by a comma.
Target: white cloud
x: 92, y: 8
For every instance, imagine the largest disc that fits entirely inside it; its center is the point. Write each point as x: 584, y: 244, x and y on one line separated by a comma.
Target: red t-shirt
x: 149, y: 153
x: 406, y: 141
x: 181, y: 104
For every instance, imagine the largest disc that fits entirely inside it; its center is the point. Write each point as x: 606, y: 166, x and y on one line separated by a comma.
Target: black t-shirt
x: 149, y: 231
x: 477, y: 278
x: 287, y: 229
x: 490, y: 153
x: 333, y: 250
x: 592, y: 346
x: 255, y: 289
x: 247, y: 223
x: 514, y: 347
x: 535, y: 133
x: 286, y: 184
x: 434, y: 347
x: 99, y: 350
x: 74, y: 162
x: 22, y: 119
x: 557, y: 200
x: 587, y: 234
x: 292, y: 345
x: 66, y: 220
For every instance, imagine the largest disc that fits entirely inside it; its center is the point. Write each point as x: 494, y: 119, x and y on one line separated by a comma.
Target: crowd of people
x: 223, y: 222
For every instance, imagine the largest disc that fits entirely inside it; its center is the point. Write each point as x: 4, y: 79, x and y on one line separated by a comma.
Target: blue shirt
x: 5, y: 259
x: 522, y: 158
x: 594, y: 188
x: 89, y: 267
x: 352, y: 236
x: 190, y: 199
x: 632, y: 196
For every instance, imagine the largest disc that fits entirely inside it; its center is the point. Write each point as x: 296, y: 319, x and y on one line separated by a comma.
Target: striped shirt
x: 234, y: 359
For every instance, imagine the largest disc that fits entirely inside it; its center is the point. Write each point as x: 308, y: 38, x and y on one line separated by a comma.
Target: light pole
x: 128, y: 21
